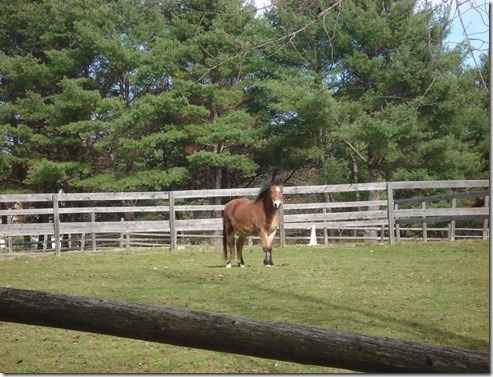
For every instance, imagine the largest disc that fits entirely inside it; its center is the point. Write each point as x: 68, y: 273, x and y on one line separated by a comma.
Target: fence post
x: 93, y: 234
x: 326, y: 235
x: 397, y: 226
x: 56, y: 225
x: 451, y: 234
x: 172, y: 225
x: 282, y: 231
x: 390, y: 212
x: 485, y: 222
x: 82, y: 241
x: 127, y: 240
x: 121, y: 234
x: 9, y: 244
x: 424, y: 226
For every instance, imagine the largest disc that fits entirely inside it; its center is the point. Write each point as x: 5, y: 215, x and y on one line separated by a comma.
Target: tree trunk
x: 217, y: 178
x: 373, y: 194
x: 217, y: 239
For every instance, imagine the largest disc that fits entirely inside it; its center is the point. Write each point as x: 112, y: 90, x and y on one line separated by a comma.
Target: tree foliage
x: 158, y: 95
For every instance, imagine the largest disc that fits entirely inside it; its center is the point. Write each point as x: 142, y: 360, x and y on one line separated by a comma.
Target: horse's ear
x: 274, y: 179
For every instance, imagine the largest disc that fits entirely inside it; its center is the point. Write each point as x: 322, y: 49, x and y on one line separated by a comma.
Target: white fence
x: 71, y: 221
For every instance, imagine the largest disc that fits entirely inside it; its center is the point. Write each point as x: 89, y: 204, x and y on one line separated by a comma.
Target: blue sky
x: 475, y: 15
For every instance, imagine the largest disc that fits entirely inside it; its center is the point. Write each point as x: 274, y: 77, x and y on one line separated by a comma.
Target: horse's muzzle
x: 277, y: 204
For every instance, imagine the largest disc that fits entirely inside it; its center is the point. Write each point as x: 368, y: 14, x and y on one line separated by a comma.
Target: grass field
x: 436, y: 293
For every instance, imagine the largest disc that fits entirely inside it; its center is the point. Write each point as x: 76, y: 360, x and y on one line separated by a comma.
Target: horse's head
x: 276, y: 189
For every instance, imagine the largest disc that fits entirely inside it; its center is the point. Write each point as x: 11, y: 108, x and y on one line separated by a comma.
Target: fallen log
x: 265, y: 339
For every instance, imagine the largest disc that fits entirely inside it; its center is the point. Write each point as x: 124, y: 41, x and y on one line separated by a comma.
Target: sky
x: 475, y: 15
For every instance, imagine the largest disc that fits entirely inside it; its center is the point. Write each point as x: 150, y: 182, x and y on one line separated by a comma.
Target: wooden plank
x: 451, y: 234
x: 246, y: 192
x: 337, y: 224
x: 172, y: 222
x: 282, y: 228
x: 114, y: 227
x: 25, y: 229
x: 238, y: 192
x: 440, y: 219
x: 335, y: 216
x: 355, y: 204
x: 56, y: 224
x: 437, y: 198
x: 486, y: 221
x: 130, y: 209
x: 12, y: 198
x: 198, y: 224
x: 112, y: 196
x: 26, y: 198
x: 26, y: 212
x: 252, y: 337
x: 9, y: 240
x: 424, y: 226
x: 436, y: 212
x: 441, y: 184
x: 199, y: 207
x: 390, y: 213
x: 85, y: 210
x: 380, y: 186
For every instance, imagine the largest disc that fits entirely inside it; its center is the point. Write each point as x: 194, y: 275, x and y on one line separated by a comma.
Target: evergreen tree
x: 51, y: 107
x: 397, y: 93
x: 153, y: 95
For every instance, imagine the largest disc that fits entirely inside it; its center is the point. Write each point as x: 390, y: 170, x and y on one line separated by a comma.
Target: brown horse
x: 253, y: 217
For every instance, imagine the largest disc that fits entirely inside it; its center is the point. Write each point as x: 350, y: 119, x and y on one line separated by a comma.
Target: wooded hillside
x: 138, y: 95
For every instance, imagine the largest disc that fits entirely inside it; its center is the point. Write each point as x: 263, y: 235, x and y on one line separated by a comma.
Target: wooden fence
x: 272, y: 340
x: 69, y: 221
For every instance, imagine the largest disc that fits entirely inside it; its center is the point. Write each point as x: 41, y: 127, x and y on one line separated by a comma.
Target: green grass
x: 436, y: 293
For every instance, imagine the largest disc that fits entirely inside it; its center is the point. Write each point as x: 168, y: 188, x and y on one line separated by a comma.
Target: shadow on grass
x: 414, y: 328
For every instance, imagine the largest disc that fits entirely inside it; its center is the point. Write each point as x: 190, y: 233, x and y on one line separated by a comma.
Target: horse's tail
x: 224, y: 237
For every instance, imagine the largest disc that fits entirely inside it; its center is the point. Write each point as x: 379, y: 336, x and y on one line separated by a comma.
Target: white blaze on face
x: 277, y: 202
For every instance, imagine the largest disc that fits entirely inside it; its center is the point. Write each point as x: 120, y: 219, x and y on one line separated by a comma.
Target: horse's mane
x: 264, y: 191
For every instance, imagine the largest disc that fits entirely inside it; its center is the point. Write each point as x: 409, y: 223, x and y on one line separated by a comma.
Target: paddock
x: 433, y: 293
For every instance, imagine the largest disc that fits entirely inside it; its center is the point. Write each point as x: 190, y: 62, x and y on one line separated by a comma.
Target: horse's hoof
x: 241, y: 265
x: 228, y: 265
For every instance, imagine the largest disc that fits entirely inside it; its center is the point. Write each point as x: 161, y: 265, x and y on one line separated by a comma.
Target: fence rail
x: 293, y: 343
x: 73, y: 220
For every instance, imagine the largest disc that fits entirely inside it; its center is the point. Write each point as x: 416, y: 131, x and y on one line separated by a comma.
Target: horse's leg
x: 229, y: 238
x: 239, y: 249
x: 267, y: 256
x: 267, y: 248
x: 230, y: 247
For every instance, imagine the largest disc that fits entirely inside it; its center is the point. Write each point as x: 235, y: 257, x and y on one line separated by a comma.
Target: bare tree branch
x: 279, y: 40
x: 468, y: 39
x: 353, y: 148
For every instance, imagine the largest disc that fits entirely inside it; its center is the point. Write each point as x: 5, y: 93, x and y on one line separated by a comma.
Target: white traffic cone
x: 313, y: 237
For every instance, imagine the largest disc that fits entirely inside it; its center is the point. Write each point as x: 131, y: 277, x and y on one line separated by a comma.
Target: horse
x: 253, y: 217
